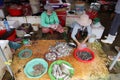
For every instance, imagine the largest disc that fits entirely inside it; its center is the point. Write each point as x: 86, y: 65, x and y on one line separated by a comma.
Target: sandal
x: 113, y: 57
x: 117, y: 48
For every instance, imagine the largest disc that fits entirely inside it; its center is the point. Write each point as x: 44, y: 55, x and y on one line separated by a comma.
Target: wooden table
x: 83, y: 71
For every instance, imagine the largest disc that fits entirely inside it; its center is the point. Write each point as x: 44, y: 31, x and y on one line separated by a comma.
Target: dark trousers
x: 115, y: 24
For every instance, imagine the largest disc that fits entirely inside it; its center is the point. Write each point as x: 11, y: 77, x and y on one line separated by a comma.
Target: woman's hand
x: 60, y: 29
x: 53, y: 26
x: 78, y: 45
x: 57, y: 27
x: 81, y: 45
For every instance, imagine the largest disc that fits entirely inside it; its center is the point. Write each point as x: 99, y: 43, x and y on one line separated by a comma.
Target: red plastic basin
x: 82, y: 50
x: 15, y: 11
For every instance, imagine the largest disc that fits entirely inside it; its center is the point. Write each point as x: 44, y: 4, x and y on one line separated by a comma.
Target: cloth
x: 115, y: 24
x: 117, y: 7
x: 47, y: 20
x: 76, y: 27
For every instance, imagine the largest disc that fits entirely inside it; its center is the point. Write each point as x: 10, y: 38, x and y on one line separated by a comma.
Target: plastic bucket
x: 35, y: 27
x: 15, y: 10
x: 92, y: 38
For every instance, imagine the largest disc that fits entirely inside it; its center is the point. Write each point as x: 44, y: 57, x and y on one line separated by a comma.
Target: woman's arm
x: 74, y: 32
x: 85, y: 40
x: 89, y: 30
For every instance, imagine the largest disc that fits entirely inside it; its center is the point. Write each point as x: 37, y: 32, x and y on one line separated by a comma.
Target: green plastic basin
x: 29, y: 67
x: 59, y: 62
x: 22, y: 52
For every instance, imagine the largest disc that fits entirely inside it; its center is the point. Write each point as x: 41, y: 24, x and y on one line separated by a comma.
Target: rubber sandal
x: 113, y: 57
x: 105, y: 37
x: 117, y: 48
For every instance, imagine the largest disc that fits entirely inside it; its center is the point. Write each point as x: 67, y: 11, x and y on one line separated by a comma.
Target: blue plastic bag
x: 14, y: 45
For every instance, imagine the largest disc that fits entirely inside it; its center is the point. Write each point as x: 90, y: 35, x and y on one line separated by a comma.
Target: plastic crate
x: 62, y: 17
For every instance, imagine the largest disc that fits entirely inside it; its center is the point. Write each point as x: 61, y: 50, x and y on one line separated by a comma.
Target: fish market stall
x: 72, y: 68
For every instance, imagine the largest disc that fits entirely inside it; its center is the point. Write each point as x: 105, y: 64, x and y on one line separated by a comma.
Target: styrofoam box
x: 20, y: 20
x: 12, y: 24
x: 70, y: 19
x: 33, y: 19
x: 6, y: 50
x: 98, y: 31
x: 1, y: 14
x: 26, y: 19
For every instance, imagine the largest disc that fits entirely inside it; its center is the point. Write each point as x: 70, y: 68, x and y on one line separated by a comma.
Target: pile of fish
x: 84, y: 55
x: 38, y: 69
x: 61, y: 49
x: 61, y: 71
x: 25, y: 54
x: 50, y: 56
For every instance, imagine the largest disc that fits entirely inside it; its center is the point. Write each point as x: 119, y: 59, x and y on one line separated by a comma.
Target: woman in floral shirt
x: 49, y: 20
